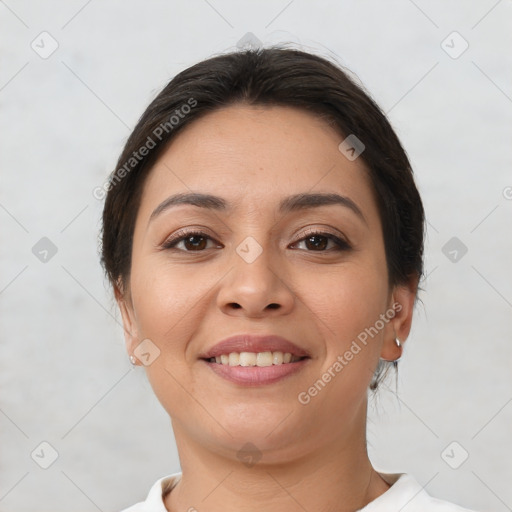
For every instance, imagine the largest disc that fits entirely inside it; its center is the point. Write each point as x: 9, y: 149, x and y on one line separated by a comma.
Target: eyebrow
x: 289, y: 204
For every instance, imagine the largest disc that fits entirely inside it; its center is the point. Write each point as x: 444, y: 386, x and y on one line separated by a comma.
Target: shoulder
x: 407, y: 495
x: 154, y: 501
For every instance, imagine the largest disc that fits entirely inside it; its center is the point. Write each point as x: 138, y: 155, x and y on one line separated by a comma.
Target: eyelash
x: 341, y: 245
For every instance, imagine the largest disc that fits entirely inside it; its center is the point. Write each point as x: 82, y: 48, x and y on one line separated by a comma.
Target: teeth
x: 255, y: 359
x: 247, y: 359
x: 264, y: 359
x: 233, y: 359
x: 277, y: 357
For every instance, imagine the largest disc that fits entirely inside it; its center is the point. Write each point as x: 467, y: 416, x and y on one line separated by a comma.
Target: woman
x: 264, y: 238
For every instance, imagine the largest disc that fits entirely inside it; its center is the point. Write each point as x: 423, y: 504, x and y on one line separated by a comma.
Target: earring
x: 133, y: 360
x: 399, y: 345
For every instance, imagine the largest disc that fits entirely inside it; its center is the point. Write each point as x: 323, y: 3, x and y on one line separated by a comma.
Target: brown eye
x: 195, y: 242
x: 189, y: 242
x: 319, y: 242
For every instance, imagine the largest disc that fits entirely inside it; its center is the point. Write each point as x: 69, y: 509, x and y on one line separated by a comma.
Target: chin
x: 268, y: 426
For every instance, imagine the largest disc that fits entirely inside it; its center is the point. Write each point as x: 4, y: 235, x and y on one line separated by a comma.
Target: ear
x: 402, y: 302
x: 124, y: 302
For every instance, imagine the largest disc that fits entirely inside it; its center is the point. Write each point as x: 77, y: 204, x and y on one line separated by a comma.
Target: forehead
x: 253, y: 156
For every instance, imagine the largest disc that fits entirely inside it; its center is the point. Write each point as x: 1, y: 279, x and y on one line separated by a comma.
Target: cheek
x: 168, y: 308
x: 172, y: 304
x: 166, y: 298
x: 347, y: 300
x: 346, y: 304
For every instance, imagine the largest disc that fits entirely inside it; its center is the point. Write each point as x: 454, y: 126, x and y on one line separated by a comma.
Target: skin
x: 313, y: 456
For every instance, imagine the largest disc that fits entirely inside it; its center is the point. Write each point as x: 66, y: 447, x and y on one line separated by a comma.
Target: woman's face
x: 258, y: 268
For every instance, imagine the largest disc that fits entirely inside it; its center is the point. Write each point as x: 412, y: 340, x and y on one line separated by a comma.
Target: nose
x: 257, y: 289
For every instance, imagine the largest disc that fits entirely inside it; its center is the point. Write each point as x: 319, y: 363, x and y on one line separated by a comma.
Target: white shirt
x: 404, y: 495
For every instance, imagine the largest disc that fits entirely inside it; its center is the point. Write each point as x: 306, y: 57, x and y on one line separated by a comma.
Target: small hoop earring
x: 133, y: 360
x: 394, y: 361
x: 399, y: 345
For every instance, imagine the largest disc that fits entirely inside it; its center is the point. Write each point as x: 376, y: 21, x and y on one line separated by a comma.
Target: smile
x: 255, y: 359
x: 260, y: 359
x: 256, y: 369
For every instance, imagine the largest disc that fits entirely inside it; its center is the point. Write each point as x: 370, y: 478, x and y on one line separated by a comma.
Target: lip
x: 255, y: 375
x: 254, y: 343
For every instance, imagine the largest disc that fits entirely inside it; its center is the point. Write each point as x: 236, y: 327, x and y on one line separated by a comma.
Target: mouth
x: 251, y: 360
x: 260, y: 359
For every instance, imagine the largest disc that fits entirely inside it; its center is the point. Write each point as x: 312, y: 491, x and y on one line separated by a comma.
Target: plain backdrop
x: 74, y: 78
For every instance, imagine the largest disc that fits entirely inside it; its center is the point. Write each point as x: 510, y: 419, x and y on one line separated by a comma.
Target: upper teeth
x: 255, y: 359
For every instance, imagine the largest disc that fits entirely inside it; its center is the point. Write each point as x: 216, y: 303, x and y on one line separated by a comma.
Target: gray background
x: 64, y: 375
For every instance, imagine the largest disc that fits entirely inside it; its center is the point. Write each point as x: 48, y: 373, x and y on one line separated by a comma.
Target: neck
x: 333, y: 477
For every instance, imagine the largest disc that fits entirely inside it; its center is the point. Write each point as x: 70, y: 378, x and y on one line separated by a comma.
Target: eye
x: 193, y: 241
x: 197, y: 241
x: 318, y: 241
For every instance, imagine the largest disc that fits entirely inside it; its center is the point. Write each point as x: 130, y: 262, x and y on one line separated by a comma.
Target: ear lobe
x: 402, y: 301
